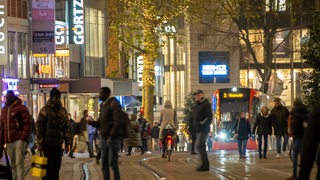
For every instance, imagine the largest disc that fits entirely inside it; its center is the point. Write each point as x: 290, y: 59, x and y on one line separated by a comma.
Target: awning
x: 51, y: 81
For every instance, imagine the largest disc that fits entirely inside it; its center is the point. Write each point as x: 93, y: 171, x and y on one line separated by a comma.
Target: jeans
x: 16, y: 152
x: 109, y: 156
x: 265, y: 145
x: 201, y: 144
x: 297, y: 149
x: 242, y: 146
x: 278, y: 143
x: 91, y: 139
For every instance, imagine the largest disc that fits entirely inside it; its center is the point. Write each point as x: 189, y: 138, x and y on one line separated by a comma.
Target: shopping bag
x: 39, y: 165
x: 5, y: 169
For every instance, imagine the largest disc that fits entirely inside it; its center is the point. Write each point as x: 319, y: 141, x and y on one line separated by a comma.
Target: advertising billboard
x: 214, y: 67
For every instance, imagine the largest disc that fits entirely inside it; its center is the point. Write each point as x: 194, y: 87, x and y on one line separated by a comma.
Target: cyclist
x: 168, y: 120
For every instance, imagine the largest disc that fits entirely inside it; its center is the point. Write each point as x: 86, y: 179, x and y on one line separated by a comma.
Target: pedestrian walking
x: 182, y: 141
x: 201, y: 121
x: 299, y: 115
x: 243, y: 131
x: 311, y: 141
x: 279, y: 115
x: 109, y: 126
x: 263, y: 127
x: 87, y: 131
x: 15, y: 128
x: 52, y: 129
x: 145, y: 132
x: 155, y: 137
x: 135, y: 136
x: 168, y: 117
x: 209, y: 142
x: 72, y: 126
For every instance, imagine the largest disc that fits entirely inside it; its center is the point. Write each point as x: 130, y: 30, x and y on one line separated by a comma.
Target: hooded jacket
x: 167, y: 116
x: 15, y: 122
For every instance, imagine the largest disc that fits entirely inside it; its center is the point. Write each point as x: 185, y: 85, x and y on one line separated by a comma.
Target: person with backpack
x: 111, y: 131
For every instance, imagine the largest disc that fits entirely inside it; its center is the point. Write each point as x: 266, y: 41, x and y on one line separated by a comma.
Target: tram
x: 227, y: 105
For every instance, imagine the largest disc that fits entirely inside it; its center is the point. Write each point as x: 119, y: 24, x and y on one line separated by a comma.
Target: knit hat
x: 55, y: 93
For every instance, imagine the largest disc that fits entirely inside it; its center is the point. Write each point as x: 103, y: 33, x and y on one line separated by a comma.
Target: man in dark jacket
x: 155, y: 136
x: 52, y: 129
x: 299, y: 115
x: 279, y: 115
x: 311, y: 142
x: 110, y: 132
x: 201, y: 118
x: 15, y: 128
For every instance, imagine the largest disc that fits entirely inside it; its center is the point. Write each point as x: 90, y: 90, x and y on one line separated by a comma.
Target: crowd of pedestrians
x: 54, y: 128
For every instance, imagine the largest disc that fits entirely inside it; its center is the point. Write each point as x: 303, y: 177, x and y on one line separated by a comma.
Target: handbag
x: 39, y: 165
x: 5, y: 171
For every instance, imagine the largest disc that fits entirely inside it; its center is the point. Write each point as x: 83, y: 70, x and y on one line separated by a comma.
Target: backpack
x: 125, y: 124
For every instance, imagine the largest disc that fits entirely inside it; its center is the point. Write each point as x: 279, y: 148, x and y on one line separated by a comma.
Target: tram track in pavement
x: 150, y: 169
x: 216, y: 170
x: 189, y: 161
x: 85, y: 173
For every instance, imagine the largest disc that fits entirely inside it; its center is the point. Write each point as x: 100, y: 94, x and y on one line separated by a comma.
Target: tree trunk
x: 151, y: 53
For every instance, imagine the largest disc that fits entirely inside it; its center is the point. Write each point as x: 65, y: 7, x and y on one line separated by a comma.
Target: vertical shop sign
x: 140, y: 70
x: 3, y: 32
x: 43, y: 27
x: 76, y: 22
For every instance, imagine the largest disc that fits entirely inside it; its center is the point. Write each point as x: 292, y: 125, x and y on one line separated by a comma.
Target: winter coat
x: 108, y: 122
x: 243, y: 129
x: 299, y: 116
x: 263, y: 125
x: 155, y: 132
x: 279, y: 116
x: 311, y: 142
x: 201, y: 117
x: 15, y: 123
x: 167, y: 116
x: 52, y: 126
x: 135, y: 137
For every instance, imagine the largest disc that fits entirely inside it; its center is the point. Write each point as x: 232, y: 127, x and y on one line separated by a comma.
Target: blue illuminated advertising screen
x: 214, y: 67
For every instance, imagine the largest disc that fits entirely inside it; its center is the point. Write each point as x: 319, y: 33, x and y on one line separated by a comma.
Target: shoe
x: 92, y: 156
x: 194, y: 153
x: 142, y: 152
x: 260, y: 156
x: 203, y: 169
x: 265, y: 157
x: 163, y: 155
x: 71, y: 156
x: 285, y: 153
x: 128, y: 154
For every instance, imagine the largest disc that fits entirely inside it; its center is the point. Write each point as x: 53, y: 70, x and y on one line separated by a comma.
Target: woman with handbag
x: 243, y: 131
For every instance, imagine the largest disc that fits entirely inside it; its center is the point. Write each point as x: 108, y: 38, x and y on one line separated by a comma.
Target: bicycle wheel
x: 169, y: 152
x: 169, y: 155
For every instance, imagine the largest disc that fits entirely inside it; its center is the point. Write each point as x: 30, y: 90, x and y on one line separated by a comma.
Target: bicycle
x: 168, y: 143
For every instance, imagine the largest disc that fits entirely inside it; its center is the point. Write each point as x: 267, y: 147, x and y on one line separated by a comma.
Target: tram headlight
x: 222, y: 135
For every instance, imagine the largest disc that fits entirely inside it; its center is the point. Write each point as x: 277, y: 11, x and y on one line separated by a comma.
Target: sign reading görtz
x: 43, y: 27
